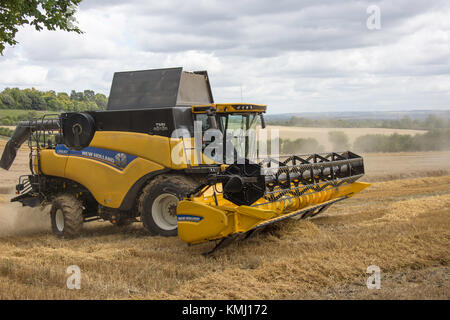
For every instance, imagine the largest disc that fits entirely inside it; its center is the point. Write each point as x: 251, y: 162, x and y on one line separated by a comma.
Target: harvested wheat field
x: 402, y: 226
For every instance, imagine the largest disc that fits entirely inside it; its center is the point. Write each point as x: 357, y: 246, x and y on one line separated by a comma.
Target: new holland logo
x: 120, y: 160
x: 185, y: 217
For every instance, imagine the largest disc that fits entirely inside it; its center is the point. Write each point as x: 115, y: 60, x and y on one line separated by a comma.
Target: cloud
x: 293, y: 55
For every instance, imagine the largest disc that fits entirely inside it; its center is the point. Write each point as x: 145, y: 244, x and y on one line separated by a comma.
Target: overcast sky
x: 295, y: 56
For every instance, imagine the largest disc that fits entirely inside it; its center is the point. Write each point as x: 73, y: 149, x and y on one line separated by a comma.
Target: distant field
x: 9, y: 127
x: 321, y: 134
x: 17, y: 112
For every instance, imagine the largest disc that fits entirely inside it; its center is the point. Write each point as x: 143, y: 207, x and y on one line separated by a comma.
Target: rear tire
x: 158, y: 201
x: 66, y: 216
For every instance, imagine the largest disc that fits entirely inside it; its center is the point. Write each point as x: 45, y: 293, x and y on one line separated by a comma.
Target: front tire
x: 66, y: 216
x: 158, y: 203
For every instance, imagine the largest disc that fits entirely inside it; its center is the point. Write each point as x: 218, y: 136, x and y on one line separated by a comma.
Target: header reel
x: 254, y: 195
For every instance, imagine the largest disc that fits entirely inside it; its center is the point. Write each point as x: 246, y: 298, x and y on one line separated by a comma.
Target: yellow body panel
x: 171, y: 153
x: 150, y: 147
x: 107, y: 184
x: 206, y: 215
x: 213, y: 223
x: 158, y: 149
x: 52, y: 164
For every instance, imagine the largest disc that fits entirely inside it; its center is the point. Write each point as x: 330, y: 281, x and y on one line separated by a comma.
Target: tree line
x: 433, y: 140
x: 33, y: 99
x: 432, y: 121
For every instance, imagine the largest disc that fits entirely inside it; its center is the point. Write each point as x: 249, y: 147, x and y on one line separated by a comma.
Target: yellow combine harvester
x: 165, y: 154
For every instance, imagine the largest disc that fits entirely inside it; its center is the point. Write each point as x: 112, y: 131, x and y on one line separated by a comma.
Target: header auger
x: 142, y: 159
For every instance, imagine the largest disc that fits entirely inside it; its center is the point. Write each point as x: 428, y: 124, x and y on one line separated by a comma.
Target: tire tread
x: 182, y: 181
x: 73, y: 214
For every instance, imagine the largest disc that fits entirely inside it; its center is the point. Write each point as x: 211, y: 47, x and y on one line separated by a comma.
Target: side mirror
x: 212, y: 119
x: 263, y: 122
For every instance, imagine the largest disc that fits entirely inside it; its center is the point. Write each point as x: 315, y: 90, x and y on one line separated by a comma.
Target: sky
x: 295, y: 56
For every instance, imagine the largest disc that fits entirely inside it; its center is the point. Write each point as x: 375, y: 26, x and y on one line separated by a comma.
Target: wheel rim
x: 59, y: 219
x: 164, y: 211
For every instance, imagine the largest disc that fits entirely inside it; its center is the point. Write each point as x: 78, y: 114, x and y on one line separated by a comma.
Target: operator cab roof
x: 229, y: 107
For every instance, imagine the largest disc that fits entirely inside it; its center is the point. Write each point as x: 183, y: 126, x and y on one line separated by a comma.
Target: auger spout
x: 23, y: 131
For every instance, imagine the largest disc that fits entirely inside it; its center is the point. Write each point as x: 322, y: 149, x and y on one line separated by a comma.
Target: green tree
x: 35, y: 96
x: 8, y: 101
x: 77, y: 96
x: 89, y: 95
x: 51, y: 100
x: 433, y: 122
x: 339, y: 140
x: 24, y: 102
x: 101, y: 101
x: 406, y: 123
x: 52, y: 103
x: 15, y: 93
x: 48, y: 14
x: 300, y: 145
x: 62, y: 96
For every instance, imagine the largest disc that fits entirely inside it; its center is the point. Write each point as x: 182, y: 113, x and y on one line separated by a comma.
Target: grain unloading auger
x: 255, y: 195
x: 143, y: 160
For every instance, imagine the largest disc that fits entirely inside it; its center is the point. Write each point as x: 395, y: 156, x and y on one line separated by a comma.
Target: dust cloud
x: 18, y: 220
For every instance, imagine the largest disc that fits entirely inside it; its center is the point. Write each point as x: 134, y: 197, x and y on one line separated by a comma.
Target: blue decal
x: 116, y: 159
x: 185, y: 217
